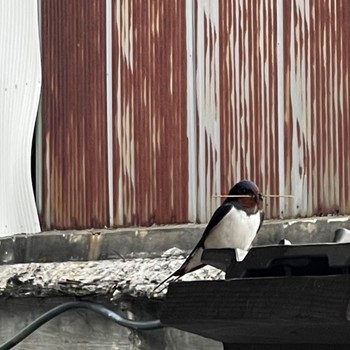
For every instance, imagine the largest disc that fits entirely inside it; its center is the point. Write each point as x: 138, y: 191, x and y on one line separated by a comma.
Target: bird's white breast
x: 235, y: 230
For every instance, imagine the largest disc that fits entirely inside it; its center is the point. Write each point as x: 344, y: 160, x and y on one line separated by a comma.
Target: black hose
x: 100, y: 309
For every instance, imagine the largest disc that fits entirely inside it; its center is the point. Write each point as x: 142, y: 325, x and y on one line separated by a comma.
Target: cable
x: 100, y: 309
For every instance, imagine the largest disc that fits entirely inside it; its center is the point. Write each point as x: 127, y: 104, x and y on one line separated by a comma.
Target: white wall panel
x: 20, y: 84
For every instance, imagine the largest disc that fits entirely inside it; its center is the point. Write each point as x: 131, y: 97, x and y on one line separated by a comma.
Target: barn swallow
x: 233, y: 225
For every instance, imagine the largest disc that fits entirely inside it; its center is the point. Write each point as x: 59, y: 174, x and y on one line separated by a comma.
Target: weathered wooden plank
x: 284, y: 310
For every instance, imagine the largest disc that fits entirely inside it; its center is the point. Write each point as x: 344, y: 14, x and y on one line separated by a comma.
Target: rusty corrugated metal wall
x: 203, y: 94
x: 316, y: 106
x: 74, y: 110
x: 249, y: 99
x: 284, y: 99
x: 149, y: 112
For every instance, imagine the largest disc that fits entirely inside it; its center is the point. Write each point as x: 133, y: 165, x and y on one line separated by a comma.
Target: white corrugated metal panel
x: 20, y: 84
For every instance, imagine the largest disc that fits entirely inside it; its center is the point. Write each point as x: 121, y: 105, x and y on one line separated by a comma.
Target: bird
x: 234, y: 225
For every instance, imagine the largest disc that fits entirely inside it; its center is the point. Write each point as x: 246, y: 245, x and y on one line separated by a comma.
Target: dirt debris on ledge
x: 112, y: 278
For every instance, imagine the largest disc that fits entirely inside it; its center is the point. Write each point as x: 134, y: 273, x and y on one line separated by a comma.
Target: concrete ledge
x: 115, y: 279
x: 80, y: 263
x: 302, y: 231
x: 150, y: 242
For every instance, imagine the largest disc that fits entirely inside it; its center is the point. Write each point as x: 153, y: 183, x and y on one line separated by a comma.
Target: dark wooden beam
x: 270, y: 311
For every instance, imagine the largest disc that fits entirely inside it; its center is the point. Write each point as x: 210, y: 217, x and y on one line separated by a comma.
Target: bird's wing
x: 218, y: 215
x: 262, y: 215
x: 190, y: 263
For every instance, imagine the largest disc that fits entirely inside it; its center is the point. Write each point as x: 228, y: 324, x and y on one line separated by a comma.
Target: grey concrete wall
x: 150, y: 242
x: 86, y: 330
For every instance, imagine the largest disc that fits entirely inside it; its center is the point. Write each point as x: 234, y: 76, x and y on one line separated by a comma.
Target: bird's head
x: 253, y: 198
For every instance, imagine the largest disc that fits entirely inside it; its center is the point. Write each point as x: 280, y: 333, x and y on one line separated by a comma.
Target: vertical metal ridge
x: 345, y: 13
x: 109, y: 110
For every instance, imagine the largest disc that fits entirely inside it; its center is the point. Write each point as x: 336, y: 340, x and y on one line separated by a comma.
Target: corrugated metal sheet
x: 207, y: 65
x: 297, y: 144
x: 249, y: 100
x: 316, y: 66
x: 74, y: 114
x: 20, y: 84
x: 150, y: 113
x: 201, y: 94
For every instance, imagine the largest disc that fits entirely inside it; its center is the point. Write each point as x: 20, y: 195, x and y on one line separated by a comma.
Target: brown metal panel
x: 149, y: 112
x: 344, y: 66
x: 316, y: 102
x: 74, y: 114
x: 248, y: 99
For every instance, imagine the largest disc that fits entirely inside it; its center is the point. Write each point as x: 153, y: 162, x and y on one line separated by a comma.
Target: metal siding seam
x: 280, y: 103
x: 199, y: 95
x: 346, y: 97
x: 216, y: 62
x: 261, y: 81
x: 238, y: 63
x: 309, y: 183
x: 336, y: 113
x: 294, y: 105
x: 318, y: 108
x: 335, y: 135
x: 39, y: 159
x: 118, y: 216
x: 224, y: 33
x: 109, y: 110
x: 342, y: 102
